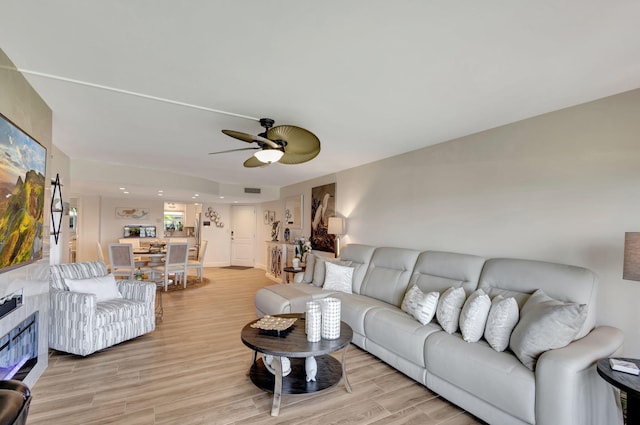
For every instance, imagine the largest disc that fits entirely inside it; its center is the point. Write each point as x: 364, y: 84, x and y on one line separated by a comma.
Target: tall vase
x: 330, y: 318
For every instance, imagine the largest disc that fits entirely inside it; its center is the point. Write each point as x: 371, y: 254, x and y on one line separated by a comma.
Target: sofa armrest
x: 568, y: 388
x: 72, y: 318
x: 135, y: 290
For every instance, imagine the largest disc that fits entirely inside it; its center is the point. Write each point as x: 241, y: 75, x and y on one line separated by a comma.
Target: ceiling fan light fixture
x: 268, y: 155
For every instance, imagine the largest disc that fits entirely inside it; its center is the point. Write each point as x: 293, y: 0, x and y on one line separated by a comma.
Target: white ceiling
x: 371, y: 79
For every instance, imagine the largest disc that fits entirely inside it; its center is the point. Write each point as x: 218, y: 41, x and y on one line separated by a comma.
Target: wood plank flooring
x: 193, y: 370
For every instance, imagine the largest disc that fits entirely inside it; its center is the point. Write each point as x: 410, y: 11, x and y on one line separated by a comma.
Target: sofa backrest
x: 520, y: 278
x: 438, y: 271
x: 388, y: 274
x: 75, y: 271
x: 360, y: 256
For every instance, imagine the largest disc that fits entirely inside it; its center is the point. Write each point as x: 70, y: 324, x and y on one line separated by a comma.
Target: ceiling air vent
x: 252, y: 190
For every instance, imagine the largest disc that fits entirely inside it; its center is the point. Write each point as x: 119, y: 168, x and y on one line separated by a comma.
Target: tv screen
x: 22, y: 185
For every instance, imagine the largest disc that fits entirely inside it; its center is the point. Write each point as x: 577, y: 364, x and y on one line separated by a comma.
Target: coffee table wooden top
x: 293, y: 342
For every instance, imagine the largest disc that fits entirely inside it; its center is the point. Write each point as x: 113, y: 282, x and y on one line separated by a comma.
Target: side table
x: 288, y: 270
x: 625, y: 382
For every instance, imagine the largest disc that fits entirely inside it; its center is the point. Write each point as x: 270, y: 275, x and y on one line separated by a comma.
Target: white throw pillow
x: 545, y: 324
x: 449, y: 306
x: 338, y: 278
x: 502, y: 318
x: 319, y: 269
x: 473, y: 316
x: 420, y: 305
x: 104, y: 287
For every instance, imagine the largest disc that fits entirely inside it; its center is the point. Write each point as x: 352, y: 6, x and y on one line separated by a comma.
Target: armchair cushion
x: 103, y: 287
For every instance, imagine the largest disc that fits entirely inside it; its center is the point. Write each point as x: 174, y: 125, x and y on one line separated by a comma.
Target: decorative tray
x: 270, y: 323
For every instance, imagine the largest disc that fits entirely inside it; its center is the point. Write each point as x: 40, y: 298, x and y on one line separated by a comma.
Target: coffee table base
x: 329, y: 374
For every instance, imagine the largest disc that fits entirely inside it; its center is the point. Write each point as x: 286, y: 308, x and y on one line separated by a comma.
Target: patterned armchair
x: 81, y: 325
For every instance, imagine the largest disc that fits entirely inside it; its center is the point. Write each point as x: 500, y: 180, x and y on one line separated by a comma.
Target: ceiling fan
x: 286, y: 144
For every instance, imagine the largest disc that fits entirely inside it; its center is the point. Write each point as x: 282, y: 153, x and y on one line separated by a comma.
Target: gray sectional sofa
x: 563, y: 388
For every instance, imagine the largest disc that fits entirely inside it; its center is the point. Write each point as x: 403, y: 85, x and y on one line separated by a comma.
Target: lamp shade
x: 336, y: 226
x: 268, y: 155
x: 631, y: 270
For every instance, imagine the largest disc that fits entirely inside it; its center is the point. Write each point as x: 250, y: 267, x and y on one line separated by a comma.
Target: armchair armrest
x: 568, y: 388
x: 72, y: 318
x: 137, y: 291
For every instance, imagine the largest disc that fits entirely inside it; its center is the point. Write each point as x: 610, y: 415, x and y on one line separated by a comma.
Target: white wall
x: 219, y: 245
x: 561, y: 187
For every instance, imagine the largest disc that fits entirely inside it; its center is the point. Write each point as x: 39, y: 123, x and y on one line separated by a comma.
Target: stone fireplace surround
x: 33, y: 279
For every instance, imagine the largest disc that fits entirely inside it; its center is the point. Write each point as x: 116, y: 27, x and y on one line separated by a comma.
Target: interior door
x: 243, y: 235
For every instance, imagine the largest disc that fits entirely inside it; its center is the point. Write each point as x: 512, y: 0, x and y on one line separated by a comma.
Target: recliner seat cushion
x: 399, y: 333
x: 498, y: 378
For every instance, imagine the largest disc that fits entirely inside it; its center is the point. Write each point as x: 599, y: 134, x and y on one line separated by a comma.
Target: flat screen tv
x: 22, y: 208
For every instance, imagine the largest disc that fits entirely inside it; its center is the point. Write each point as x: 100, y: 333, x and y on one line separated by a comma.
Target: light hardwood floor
x: 193, y: 370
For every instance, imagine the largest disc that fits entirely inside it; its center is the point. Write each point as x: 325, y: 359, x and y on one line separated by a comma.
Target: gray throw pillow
x: 545, y: 324
x: 308, y: 271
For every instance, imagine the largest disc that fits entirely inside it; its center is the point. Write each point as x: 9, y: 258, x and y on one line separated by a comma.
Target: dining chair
x: 135, y: 242
x: 101, y: 255
x: 175, y: 262
x: 199, y: 263
x: 121, y: 259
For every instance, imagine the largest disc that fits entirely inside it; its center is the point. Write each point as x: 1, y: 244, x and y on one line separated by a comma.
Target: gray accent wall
x: 22, y: 105
x: 562, y: 187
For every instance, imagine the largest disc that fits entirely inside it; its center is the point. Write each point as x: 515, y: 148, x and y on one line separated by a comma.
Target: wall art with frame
x: 323, y: 201
x: 22, y: 185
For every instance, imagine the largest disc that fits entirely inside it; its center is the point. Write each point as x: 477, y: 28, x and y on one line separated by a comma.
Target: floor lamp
x: 336, y: 227
x: 631, y: 269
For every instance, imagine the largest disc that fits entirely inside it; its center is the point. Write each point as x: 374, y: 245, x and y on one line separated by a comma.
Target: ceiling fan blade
x: 293, y: 158
x: 254, y: 162
x: 234, y: 150
x: 249, y: 138
x: 240, y: 135
x: 302, y: 145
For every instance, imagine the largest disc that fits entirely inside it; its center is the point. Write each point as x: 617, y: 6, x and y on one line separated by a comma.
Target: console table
x: 279, y: 256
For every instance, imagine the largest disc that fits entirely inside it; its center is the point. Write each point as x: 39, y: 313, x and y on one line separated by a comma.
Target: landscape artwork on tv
x: 22, y: 185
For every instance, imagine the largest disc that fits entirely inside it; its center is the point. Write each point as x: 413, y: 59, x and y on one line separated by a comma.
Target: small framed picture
x: 266, y: 216
x: 272, y: 217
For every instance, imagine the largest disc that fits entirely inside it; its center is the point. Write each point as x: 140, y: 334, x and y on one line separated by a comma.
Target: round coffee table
x: 294, y: 345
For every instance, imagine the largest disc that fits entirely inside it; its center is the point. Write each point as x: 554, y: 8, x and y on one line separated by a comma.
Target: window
x: 173, y: 221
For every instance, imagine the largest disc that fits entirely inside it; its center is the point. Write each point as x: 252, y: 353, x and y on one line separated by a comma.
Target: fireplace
x: 19, y: 349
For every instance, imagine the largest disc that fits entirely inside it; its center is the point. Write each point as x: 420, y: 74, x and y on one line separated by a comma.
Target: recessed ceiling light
x: 122, y: 188
x: 159, y: 194
x: 125, y: 191
x: 196, y: 194
x: 222, y: 197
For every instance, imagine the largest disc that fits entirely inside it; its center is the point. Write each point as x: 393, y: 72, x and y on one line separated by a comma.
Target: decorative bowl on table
x: 274, y: 325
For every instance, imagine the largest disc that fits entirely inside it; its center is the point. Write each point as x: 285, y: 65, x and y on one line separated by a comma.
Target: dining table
x: 155, y: 256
